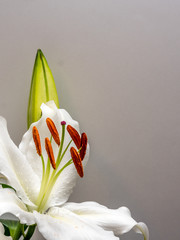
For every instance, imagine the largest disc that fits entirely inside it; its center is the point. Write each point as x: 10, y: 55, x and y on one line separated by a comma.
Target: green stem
x: 50, y: 186
x: 30, y: 232
x: 65, y: 151
x: 23, y: 233
x: 18, y: 232
x: 45, y: 177
x: 43, y: 166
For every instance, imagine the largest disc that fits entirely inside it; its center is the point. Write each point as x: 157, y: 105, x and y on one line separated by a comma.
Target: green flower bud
x: 43, y: 88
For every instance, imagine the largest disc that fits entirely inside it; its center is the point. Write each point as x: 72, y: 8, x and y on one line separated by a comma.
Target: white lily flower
x: 43, y: 185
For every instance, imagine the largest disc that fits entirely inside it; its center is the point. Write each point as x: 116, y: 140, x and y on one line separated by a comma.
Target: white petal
x: 67, y: 179
x: 10, y: 203
x: 142, y: 228
x: 63, y: 224
x: 117, y: 220
x: 3, y: 179
x: 15, y: 168
x: 2, y: 236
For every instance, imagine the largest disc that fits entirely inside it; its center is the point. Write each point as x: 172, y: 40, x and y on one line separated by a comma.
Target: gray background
x: 116, y: 66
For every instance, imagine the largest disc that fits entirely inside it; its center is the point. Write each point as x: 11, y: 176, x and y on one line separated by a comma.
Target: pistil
x: 63, y: 124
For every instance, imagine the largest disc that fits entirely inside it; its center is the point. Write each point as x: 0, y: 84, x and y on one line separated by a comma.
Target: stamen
x: 53, y: 130
x: 74, y: 135
x: 77, y: 161
x: 50, y: 153
x: 37, y: 141
x: 83, y: 145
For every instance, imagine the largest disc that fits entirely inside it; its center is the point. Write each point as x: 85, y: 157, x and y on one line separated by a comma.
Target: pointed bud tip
x: 39, y: 50
x: 38, y: 54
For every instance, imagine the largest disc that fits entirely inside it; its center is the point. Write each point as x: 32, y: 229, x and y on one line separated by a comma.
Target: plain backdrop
x: 116, y: 67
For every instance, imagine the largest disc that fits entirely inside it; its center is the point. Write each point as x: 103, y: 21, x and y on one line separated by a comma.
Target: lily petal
x: 117, y: 220
x: 15, y: 168
x: 2, y: 236
x: 10, y: 203
x: 3, y: 179
x: 142, y: 228
x: 67, y: 179
x: 61, y: 223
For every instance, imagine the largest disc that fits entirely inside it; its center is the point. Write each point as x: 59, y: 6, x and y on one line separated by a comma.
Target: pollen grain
x: 77, y: 161
x: 53, y: 130
x: 37, y: 141
x: 74, y: 135
x: 83, y: 145
x: 50, y: 153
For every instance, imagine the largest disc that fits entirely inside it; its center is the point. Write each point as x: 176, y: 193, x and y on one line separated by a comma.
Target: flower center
x: 52, y: 169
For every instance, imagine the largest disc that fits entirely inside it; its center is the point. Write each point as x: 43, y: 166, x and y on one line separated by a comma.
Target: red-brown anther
x: 50, y: 153
x: 37, y: 141
x: 77, y: 161
x: 74, y: 135
x: 83, y: 145
x: 53, y: 130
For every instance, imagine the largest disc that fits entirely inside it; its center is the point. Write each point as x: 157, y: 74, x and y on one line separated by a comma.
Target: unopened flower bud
x: 43, y: 88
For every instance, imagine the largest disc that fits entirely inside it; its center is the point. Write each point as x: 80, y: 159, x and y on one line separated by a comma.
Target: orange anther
x: 74, y: 135
x: 37, y: 141
x: 50, y: 153
x: 83, y: 145
x: 77, y: 161
x: 53, y: 130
